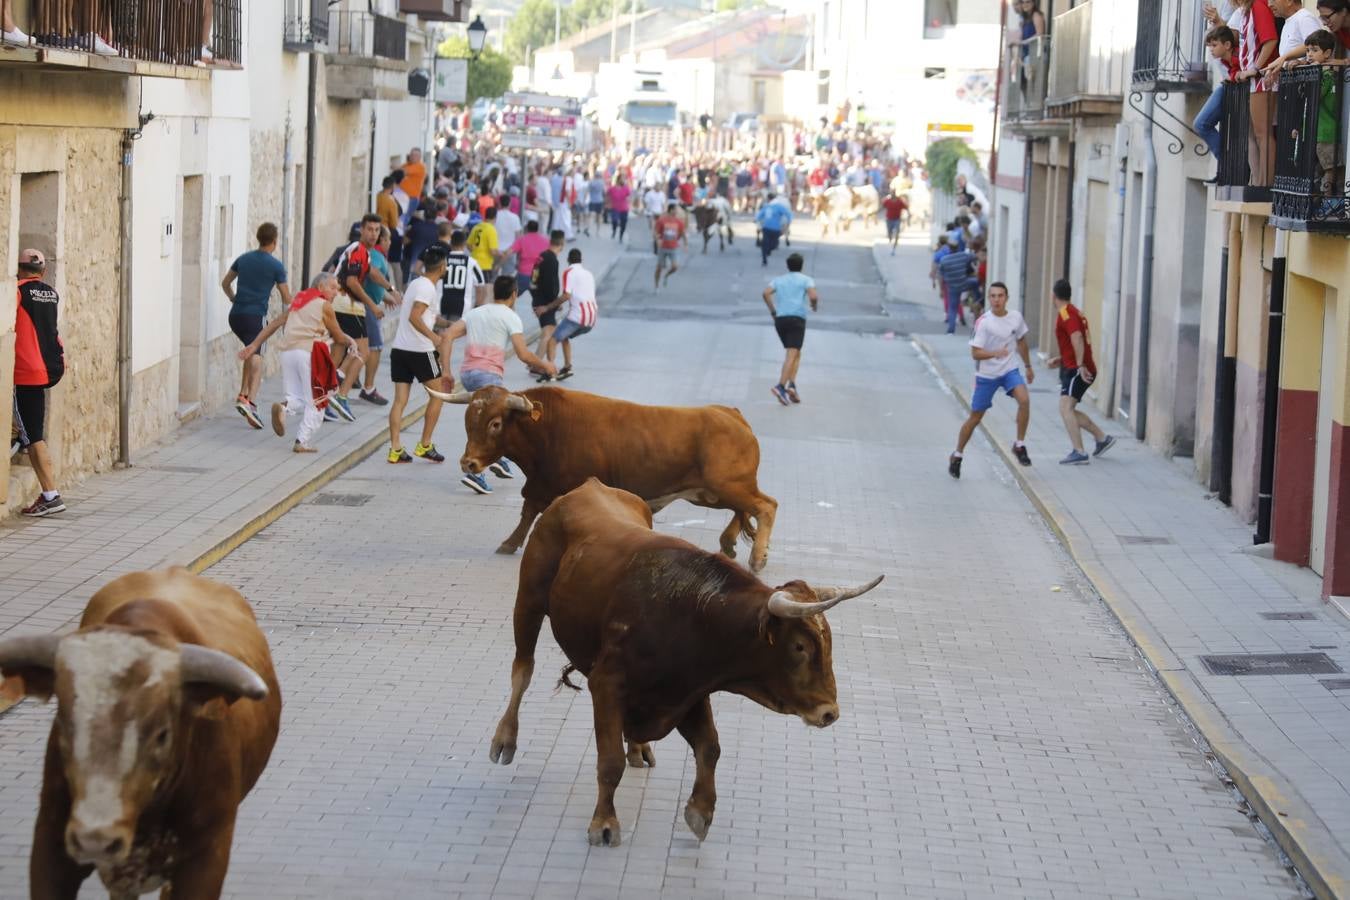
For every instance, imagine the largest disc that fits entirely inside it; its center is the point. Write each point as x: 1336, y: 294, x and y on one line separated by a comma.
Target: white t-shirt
x: 654, y: 201
x: 580, y: 283
x: 543, y: 190
x: 422, y: 290
x: 488, y: 331
x: 1297, y: 28
x: 994, y: 333
x: 508, y: 226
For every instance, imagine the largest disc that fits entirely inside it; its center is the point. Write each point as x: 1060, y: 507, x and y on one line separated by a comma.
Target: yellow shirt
x: 483, y: 244
x: 387, y: 209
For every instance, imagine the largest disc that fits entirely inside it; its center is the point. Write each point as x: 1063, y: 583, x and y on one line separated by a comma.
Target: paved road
x: 999, y: 738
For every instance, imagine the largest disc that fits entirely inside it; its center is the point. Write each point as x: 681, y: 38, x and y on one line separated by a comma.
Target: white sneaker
x: 17, y: 38
x: 103, y: 48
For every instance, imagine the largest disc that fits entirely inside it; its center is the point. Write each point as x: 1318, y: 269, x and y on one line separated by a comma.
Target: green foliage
x: 532, y: 27
x: 736, y: 5
x: 489, y: 75
x: 941, y: 161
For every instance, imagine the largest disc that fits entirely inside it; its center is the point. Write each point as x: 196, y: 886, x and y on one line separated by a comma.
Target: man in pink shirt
x: 527, y: 247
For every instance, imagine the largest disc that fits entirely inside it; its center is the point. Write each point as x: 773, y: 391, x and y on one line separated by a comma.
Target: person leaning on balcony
x: 1255, y: 26
x: 1299, y: 23
x: 1321, y: 44
x: 12, y: 35
x: 1333, y: 16
x: 1032, y: 26
x: 1221, y: 41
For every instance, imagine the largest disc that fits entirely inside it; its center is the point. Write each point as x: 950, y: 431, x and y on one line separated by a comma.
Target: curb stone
x: 1297, y: 829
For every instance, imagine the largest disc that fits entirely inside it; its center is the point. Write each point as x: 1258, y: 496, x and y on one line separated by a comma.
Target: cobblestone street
x: 999, y: 737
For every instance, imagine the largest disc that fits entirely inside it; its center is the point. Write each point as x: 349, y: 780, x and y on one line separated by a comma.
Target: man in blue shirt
x: 957, y: 269
x: 787, y: 297
x: 379, y: 262
x: 773, y: 219
x: 257, y: 272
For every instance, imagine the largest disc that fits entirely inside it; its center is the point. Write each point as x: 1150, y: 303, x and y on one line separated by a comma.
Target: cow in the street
x: 706, y: 455
x: 167, y: 708
x: 657, y: 626
x: 713, y: 216
x: 842, y: 204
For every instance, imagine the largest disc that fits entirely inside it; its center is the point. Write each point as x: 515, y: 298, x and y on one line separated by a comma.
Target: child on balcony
x: 1321, y: 44
x: 1221, y: 42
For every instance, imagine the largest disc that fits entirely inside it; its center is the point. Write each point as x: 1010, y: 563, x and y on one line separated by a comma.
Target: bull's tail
x: 565, y: 679
x: 747, y: 529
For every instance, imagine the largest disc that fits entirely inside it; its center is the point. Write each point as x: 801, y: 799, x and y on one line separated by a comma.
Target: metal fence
x: 1169, y: 48
x: 1029, y: 78
x: 1235, y: 126
x: 1310, y: 183
x: 166, y: 31
x: 368, y: 34
x: 306, y: 23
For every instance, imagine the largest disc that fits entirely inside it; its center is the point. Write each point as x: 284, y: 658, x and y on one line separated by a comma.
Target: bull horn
x: 519, y: 403
x: 456, y: 397
x: 29, y: 651
x: 202, y: 665
x: 785, y: 606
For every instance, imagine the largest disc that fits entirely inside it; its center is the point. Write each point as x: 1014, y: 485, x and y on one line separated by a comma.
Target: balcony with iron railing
x: 306, y: 26
x: 1023, y: 95
x: 436, y: 10
x: 1234, y: 175
x: 367, y: 57
x: 1169, y: 47
x: 132, y: 37
x: 1311, y: 192
x: 1087, y: 70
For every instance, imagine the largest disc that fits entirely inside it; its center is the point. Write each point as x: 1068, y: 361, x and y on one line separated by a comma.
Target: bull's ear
x: 768, y: 624
x: 28, y: 666
x: 536, y: 411
x: 205, y: 701
x: 31, y: 681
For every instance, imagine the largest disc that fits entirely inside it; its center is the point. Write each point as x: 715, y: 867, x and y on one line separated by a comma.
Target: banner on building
x: 452, y: 81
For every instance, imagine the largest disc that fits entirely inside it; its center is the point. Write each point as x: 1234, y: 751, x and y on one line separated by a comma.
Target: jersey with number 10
x: 461, y: 272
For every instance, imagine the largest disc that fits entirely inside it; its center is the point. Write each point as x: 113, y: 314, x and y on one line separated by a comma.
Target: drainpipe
x: 311, y: 141
x: 1068, y: 209
x: 370, y: 174
x: 1225, y: 376
x: 1027, y: 169
x: 287, y: 195
x: 1270, y: 418
x: 1139, y: 402
x: 1120, y: 155
x: 124, y: 309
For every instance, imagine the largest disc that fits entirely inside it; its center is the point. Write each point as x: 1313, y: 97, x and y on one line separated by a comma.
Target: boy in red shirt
x: 1076, y: 372
x: 896, y: 206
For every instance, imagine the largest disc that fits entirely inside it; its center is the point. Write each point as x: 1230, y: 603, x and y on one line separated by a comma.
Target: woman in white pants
x: 309, y: 319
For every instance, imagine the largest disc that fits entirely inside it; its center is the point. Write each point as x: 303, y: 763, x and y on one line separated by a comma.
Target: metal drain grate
x: 1289, y: 616
x: 1143, y: 539
x: 1336, y: 684
x: 1271, y: 664
x: 342, y: 499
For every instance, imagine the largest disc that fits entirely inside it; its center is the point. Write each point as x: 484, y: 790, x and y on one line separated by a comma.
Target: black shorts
x: 246, y: 327
x: 452, y: 307
x: 548, y: 318
x: 791, y: 331
x: 407, y: 366
x: 1071, y: 385
x: 352, y: 326
x: 30, y: 405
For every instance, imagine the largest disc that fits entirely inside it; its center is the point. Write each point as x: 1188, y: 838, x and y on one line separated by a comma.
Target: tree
x: 942, y: 159
x: 736, y: 5
x: 532, y: 26
x: 489, y: 75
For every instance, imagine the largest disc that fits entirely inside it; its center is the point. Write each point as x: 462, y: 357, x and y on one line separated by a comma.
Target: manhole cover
x: 1142, y: 539
x: 182, y: 470
x: 1271, y: 664
x: 1336, y: 684
x: 343, y: 499
x: 1289, y: 616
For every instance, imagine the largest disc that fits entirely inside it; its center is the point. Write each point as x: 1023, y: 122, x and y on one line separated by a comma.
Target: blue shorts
x: 892, y: 227
x: 985, y: 388
x: 373, y: 334
x: 476, y: 379
x: 570, y: 329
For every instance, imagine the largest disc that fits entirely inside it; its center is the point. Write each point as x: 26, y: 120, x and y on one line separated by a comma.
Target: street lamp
x: 477, y: 36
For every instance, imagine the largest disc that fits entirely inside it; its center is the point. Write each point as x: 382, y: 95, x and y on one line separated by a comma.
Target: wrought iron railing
x: 1310, y: 174
x: 150, y: 30
x: 1028, y: 76
x: 368, y: 34
x: 1235, y: 126
x: 306, y: 24
x: 1169, y: 46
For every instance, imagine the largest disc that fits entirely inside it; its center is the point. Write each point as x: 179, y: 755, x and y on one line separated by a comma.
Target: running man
x: 257, y: 272
x: 773, y: 219
x: 463, y: 275
x: 997, y: 333
x: 491, y: 330
x: 578, y: 296
x: 896, y: 207
x: 1077, y: 371
x: 413, y: 356
x: 787, y: 297
x: 545, y: 286
x: 39, y: 363
x: 353, y: 303
x: 669, y: 233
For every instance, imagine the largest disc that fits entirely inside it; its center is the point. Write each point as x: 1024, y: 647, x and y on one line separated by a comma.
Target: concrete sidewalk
x: 189, y: 500
x: 1178, y: 569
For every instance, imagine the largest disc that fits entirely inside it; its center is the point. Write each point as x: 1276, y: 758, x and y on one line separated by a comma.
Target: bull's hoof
x: 729, y: 551
x: 698, y: 821
x: 502, y: 751
x: 640, y: 756
x: 757, y: 562
x: 507, y: 548
x: 604, y: 832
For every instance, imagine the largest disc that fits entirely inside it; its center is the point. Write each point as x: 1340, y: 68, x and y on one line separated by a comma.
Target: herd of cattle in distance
x: 168, y: 706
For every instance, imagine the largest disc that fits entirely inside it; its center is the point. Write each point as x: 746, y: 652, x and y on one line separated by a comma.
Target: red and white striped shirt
x: 1255, y: 27
x: 580, y: 284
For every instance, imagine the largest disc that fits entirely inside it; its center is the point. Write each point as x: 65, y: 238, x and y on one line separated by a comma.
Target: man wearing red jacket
x: 39, y: 363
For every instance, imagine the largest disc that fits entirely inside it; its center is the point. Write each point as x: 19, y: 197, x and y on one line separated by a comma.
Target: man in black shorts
x: 257, y: 272
x: 39, y: 363
x: 351, y: 306
x: 463, y: 275
x: 787, y: 297
x: 1077, y: 371
x: 418, y: 354
x: 545, y: 286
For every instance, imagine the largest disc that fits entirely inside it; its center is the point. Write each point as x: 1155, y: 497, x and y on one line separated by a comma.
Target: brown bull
x: 167, y: 710
x: 657, y: 626
x: 707, y: 455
